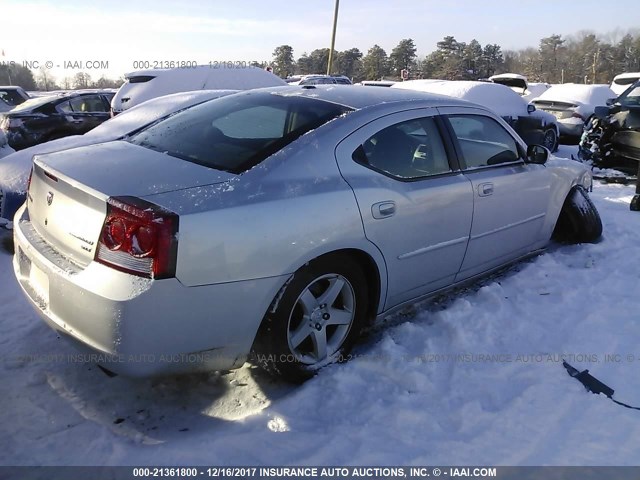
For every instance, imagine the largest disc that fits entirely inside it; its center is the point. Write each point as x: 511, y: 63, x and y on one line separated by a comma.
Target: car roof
x: 358, y: 98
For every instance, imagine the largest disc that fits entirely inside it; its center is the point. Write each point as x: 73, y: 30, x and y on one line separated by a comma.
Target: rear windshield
x: 235, y: 133
x: 33, y: 103
x: 11, y: 97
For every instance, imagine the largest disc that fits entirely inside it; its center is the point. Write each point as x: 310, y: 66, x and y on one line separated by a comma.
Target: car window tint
x: 64, y: 107
x: 632, y: 97
x: 483, y: 141
x: 407, y: 150
x: 236, y: 132
x: 268, y: 122
x: 88, y: 104
x: 11, y: 97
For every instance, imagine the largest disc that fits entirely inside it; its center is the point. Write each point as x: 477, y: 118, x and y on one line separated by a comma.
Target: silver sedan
x: 274, y: 224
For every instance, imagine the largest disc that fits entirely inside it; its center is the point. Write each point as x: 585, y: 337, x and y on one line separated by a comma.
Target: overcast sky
x: 120, y: 32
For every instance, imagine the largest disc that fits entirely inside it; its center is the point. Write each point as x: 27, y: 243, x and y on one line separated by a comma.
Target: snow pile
x: 534, y: 90
x: 498, y: 98
x: 592, y: 95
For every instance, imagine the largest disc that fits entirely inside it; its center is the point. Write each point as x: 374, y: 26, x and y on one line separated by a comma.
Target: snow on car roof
x: 627, y: 75
x: 358, y: 98
x: 578, y: 93
x: 211, y: 77
x: 500, y: 99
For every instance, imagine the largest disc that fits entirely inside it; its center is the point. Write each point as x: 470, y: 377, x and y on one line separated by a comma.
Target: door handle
x: 485, y: 189
x: 383, y: 209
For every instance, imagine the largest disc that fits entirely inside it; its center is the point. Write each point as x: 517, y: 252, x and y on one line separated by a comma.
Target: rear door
x: 416, y: 206
x: 510, y: 197
x: 88, y: 111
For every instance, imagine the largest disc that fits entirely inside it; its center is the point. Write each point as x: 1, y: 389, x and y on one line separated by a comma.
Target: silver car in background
x: 279, y: 222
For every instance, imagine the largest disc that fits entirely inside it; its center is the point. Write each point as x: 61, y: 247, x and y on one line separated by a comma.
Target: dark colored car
x: 611, y: 137
x: 42, y: 119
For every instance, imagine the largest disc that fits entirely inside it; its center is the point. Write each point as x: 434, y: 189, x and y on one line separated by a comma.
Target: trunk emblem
x: 49, y: 198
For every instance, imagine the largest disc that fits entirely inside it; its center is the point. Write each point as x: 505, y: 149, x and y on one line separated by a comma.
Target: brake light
x: 139, y: 237
x: 29, y: 181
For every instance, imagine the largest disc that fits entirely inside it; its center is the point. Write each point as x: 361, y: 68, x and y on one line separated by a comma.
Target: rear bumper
x: 570, y: 128
x: 141, y: 327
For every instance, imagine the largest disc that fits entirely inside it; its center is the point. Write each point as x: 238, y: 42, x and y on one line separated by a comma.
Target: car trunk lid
x: 69, y: 190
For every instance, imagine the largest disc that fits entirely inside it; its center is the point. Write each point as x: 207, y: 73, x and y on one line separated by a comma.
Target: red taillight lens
x: 139, y: 237
x: 29, y: 181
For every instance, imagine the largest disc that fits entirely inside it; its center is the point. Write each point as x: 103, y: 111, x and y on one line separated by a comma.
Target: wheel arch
x: 371, y: 271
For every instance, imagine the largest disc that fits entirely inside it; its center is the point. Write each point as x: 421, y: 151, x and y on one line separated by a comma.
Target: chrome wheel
x: 321, y: 319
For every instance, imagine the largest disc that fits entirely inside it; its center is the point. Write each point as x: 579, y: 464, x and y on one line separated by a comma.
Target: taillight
x: 29, y: 181
x: 139, y: 237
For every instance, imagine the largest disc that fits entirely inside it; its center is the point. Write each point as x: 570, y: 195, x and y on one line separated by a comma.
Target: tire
x: 579, y: 220
x: 314, y: 320
x: 550, y: 139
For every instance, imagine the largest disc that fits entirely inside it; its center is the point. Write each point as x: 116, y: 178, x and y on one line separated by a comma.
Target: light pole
x: 333, y: 37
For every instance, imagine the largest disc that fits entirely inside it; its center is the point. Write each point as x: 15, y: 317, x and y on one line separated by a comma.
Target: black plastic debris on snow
x: 593, y: 385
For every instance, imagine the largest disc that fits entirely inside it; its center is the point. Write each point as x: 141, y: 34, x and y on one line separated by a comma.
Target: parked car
x: 533, y: 126
x: 376, y: 83
x: 15, y: 168
x: 611, y: 137
x: 322, y: 80
x: 519, y: 84
x: 144, y: 85
x: 279, y: 221
x: 11, y: 96
x: 623, y: 81
x: 572, y: 104
x: 43, y: 119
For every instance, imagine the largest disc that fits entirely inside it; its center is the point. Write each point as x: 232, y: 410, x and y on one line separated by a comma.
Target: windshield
x: 235, y: 133
x: 630, y: 96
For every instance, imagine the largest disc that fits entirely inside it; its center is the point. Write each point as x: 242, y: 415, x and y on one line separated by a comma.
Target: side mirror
x: 531, y: 108
x: 537, y: 154
x: 611, y: 101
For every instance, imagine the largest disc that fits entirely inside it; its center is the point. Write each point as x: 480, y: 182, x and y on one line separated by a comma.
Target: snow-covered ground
x: 475, y: 378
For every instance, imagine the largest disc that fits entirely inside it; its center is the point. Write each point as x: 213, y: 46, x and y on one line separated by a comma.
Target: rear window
x: 235, y: 133
x: 141, y: 78
x: 11, y: 97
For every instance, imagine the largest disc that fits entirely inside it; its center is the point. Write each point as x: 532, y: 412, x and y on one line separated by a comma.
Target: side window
x: 88, y: 104
x: 64, y: 107
x: 484, y: 142
x: 411, y: 149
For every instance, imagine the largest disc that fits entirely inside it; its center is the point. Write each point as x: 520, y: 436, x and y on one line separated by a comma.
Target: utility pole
x: 333, y: 37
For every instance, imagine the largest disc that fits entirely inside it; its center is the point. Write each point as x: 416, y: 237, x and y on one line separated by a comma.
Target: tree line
x: 43, y: 80
x: 581, y: 58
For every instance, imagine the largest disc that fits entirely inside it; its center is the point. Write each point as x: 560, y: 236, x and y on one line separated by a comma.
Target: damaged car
x: 274, y: 224
x: 611, y: 137
x: 43, y: 119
